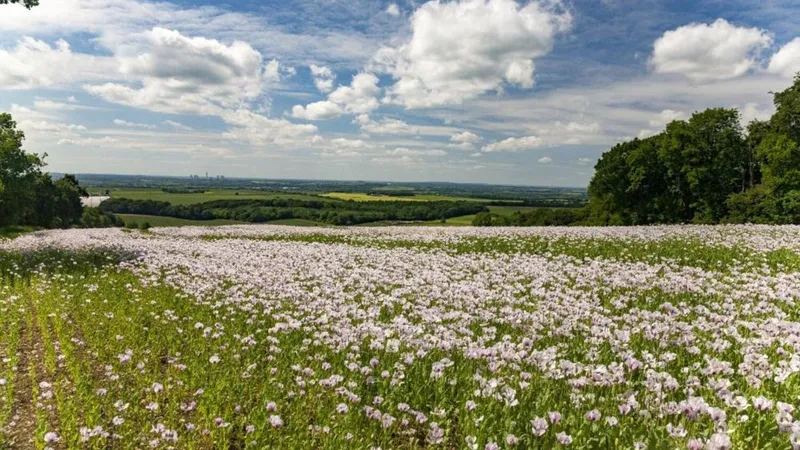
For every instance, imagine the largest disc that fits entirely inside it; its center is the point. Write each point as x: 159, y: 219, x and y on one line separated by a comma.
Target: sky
x: 487, y: 91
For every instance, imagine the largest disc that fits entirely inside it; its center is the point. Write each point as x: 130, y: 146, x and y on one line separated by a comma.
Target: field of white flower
x: 401, y: 338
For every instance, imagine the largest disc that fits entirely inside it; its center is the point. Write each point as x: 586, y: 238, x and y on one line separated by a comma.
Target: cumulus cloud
x: 465, y: 137
x: 317, y: 111
x: 260, y: 130
x: 125, y: 123
x: 545, y: 160
x: 459, y: 50
x: 323, y: 78
x: 786, y: 62
x: 709, y: 52
x: 179, y: 74
x: 515, y: 144
x: 358, y: 98
x: 34, y: 63
x: 393, y: 10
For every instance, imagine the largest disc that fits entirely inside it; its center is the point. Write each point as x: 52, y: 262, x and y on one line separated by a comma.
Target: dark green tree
x: 19, y: 173
x: 26, y: 3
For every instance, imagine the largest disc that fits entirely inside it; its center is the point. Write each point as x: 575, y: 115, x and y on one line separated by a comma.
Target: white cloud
x: 753, y: 111
x: 386, y: 126
x: 786, y: 61
x: 194, y: 75
x: 585, y: 161
x: 323, y: 78
x: 545, y: 160
x: 403, y: 151
x: 317, y: 111
x: 177, y: 125
x: 665, y: 117
x: 515, y: 144
x: 349, y: 143
x: 467, y: 137
x: 34, y: 63
x: 461, y: 49
x: 709, y: 52
x: 125, y: 123
x: 259, y: 130
x: 88, y: 141
x: 393, y: 10
x: 360, y: 96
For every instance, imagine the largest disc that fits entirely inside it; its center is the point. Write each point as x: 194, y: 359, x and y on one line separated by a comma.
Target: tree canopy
x: 26, y: 3
x: 27, y: 195
x: 708, y: 169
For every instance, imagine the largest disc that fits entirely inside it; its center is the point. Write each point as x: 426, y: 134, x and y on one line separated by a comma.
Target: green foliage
x: 705, y: 170
x: 95, y: 218
x: 329, y: 211
x: 27, y: 195
x: 26, y: 3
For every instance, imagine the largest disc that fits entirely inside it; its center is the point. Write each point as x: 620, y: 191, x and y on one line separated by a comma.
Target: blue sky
x: 497, y: 91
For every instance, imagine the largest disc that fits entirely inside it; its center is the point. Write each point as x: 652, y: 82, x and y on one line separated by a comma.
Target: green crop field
x: 364, y: 197
x: 193, y: 198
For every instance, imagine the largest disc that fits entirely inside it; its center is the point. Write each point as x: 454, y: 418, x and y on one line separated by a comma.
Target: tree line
x: 708, y: 169
x: 30, y: 197
x: 334, y: 212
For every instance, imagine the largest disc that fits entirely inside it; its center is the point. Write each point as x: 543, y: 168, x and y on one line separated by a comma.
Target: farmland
x: 199, y: 197
x: 401, y: 337
x: 364, y: 197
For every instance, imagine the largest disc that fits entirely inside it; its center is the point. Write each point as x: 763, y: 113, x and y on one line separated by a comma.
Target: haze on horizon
x: 533, y: 93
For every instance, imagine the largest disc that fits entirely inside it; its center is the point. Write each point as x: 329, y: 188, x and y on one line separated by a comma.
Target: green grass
x: 13, y: 231
x: 364, y: 197
x: 208, y: 196
x: 160, y: 221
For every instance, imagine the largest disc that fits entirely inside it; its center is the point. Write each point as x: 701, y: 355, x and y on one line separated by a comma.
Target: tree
x: 27, y: 3
x: 19, y: 172
x: 27, y: 195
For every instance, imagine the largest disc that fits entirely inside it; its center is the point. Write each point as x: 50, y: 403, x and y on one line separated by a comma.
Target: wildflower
x: 342, y: 408
x: 512, y: 440
x: 275, y: 421
x: 539, y: 426
x: 157, y: 387
x: 491, y: 446
x: 719, y: 441
x: 470, y: 405
x: 762, y: 403
x: 555, y: 417
x: 563, y: 438
x: 51, y: 438
x: 214, y: 359
x: 271, y: 407
x: 3, y: 382
x: 117, y: 420
x: 593, y: 415
x: 435, y: 434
